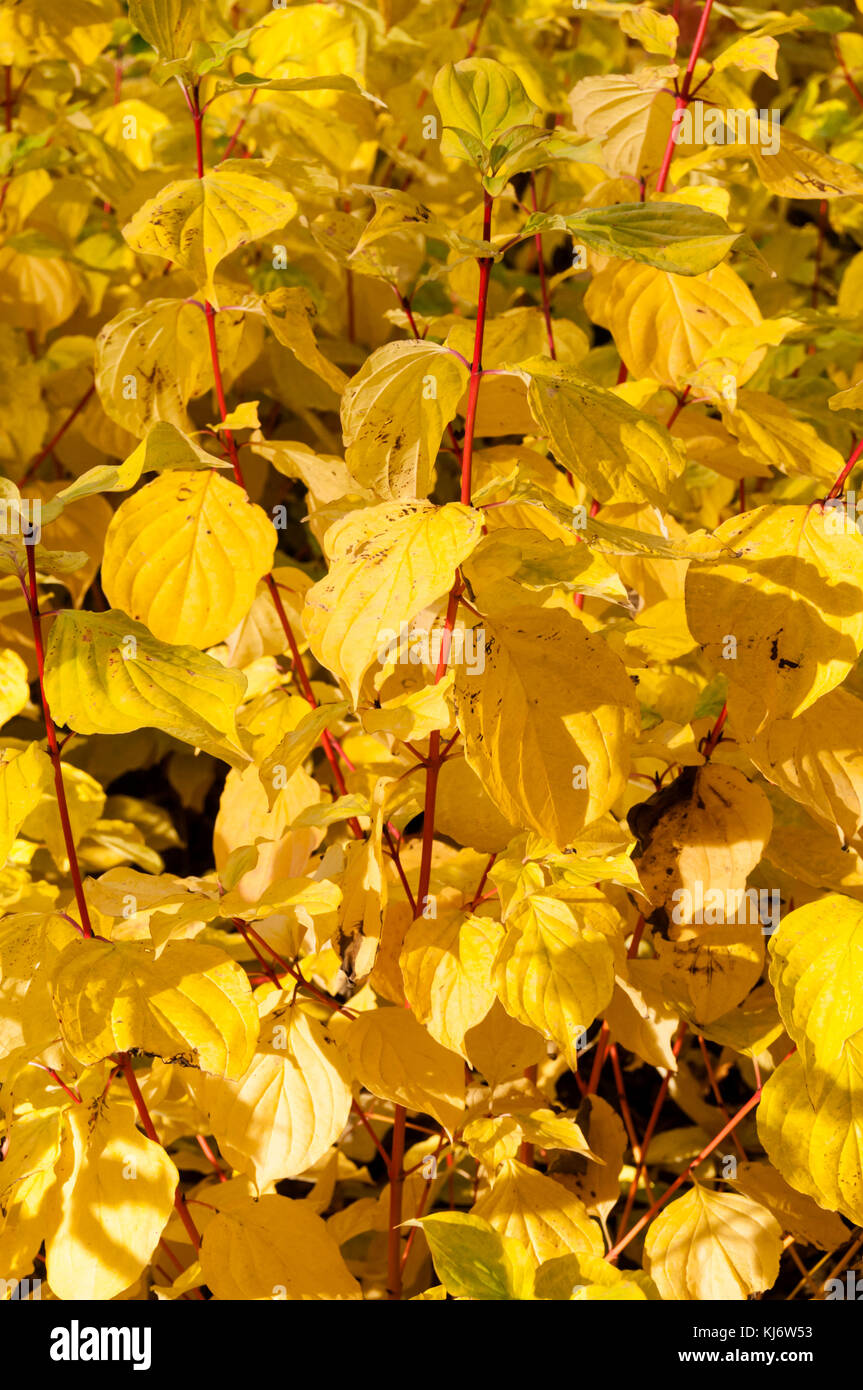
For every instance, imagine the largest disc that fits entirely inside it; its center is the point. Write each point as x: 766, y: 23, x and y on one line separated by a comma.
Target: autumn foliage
x: 431, y: 604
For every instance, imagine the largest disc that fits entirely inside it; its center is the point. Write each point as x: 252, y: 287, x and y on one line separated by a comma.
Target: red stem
x: 434, y: 760
x: 211, y: 1157
x: 599, y: 1059
x: 678, y: 1182
x: 543, y: 281
x: 32, y: 594
x: 681, y: 402
x: 358, y: 1110
x: 641, y: 1165
x: 683, y: 99
x: 836, y: 489
x: 198, y: 118
x: 485, y: 265
x: 715, y: 733
x: 55, y: 438
x: 239, y: 130
x: 627, y: 1113
x: 397, y: 1178
x: 858, y: 95
x: 231, y: 447
x: 717, y: 1094
x: 150, y: 1131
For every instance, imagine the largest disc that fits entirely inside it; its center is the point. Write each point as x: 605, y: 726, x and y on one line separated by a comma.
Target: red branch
x: 678, y: 1182
x: 55, y: 438
x: 684, y: 96
x: 32, y: 595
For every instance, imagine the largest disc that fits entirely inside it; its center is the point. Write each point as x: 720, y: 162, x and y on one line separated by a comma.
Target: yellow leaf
x: 30, y: 943
x: 710, y: 973
x: 797, y: 169
x: 105, y: 674
x: 169, y: 26
x: 657, y: 33
x: 618, y: 453
x: 129, y: 126
x: 114, y: 1198
x: 497, y: 1138
x: 446, y: 966
x: 815, y: 758
x: 501, y: 1048
x: 701, y: 837
x: 289, y: 313
x: 28, y: 1177
x: 414, y: 715
x: 810, y: 851
x: 713, y: 1245
x: 513, y: 564
x: 750, y: 53
x: 25, y: 778
x: 14, y: 686
x: 538, y: 1213
x: 797, y: 1213
x: 291, y: 1104
x: 387, y: 564
x: 783, y: 620
x: 37, y: 30
x: 37, y: 293
x: 184, y: 554
x: 295, y: 747
x: 768, y: 432
x: 472, y: 1260
x: 85, y: 800
x: 640, y: 1018
x: 393, y: 1056
x: 243, y: 417
x: 466, y: 813
x: 554, y: 973
x: 631, y: 115
x: 196, y: 223
x: 394, y: 413
x: 274, y: 1248
x: 663, y: 325
x: 364, y: 896
x: 589, y: 1279
x: 816, y: 969
x: 243, y: 819
x: 547, y: 724
x: 817, y: 1146
x: 150, y: 361
x: 192, y: 1005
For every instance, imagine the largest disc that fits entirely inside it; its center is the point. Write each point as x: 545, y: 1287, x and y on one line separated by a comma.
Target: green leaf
x: 671, y: 236
x: 477, y: 98
x: 469, y: 1256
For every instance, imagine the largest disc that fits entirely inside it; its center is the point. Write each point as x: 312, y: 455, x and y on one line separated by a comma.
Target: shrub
x: 430, y: 617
